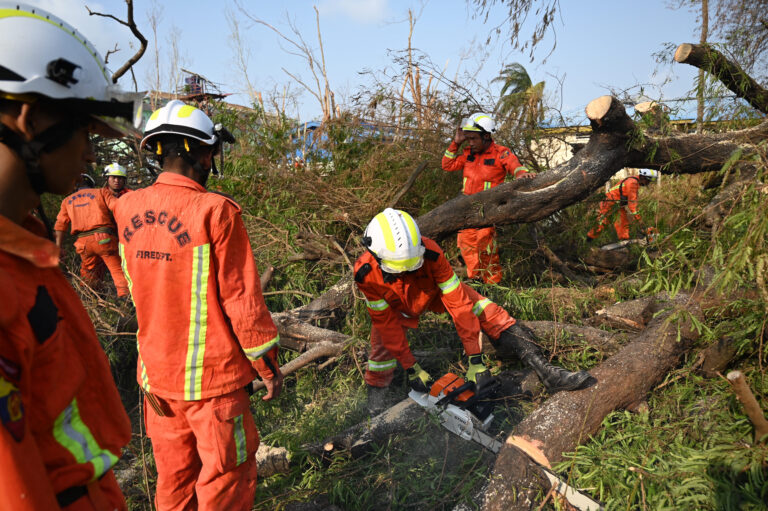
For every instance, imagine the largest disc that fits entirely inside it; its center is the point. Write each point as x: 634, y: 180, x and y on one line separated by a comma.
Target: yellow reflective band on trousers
x: 71, y: 432
x: 124, y: 266
x: 463, y: 185
x: 198, y: 323
x: 259, y: 351
x: 449, y: 285
x: 480, y: 306
x: 242, y: 452
x: 486, y: 185
x: 378, y: 305
x: 382, y: 365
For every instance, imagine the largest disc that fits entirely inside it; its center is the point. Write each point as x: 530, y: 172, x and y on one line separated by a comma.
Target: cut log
x: 569, y: 418
x: 751, y: 407
x: 716, y: 357
x: 705, y: 57
x: 631, y: 315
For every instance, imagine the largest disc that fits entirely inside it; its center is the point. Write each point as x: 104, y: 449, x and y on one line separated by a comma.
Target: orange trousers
x: 480, y: 253
x: 621, y: 225
x: 103, y: 495
x: 381, y: 364
x: 204, y: 452
x: 97, y: 250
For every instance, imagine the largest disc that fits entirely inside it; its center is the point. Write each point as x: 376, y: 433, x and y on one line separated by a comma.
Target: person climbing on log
x: 485, y: 165
x: 623, y: 197
x: 62, y: 423
x: 402, y: 275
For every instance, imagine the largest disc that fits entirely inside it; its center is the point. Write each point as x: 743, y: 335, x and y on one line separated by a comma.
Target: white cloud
x: 362, y: 11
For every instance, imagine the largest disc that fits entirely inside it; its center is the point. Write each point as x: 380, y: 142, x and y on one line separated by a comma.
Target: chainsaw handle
x: 455, y: 392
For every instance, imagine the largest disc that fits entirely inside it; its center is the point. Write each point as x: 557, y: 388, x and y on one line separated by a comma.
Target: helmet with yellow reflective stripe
x: 394, y: 239
x: 42, y: 56
x: 115, y: 169
x: 649, y: 174
x: 177, y: 118
x: 480, y: 122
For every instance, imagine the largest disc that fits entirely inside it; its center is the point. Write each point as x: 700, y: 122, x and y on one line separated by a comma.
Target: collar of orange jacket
x: 171, y: 178
x: 26, y: 242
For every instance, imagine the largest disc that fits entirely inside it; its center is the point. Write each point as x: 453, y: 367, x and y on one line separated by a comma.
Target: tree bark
x: 729, y: 73
x: 569, y: 418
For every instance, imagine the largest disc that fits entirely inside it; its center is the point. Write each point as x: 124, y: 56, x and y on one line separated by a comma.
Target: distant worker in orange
x: 62, y: 424
x: 90, y: 219
x: 114, y: 186
x: 402, y: 275
x: 485, y: 165
x: 623, y: 198
x: 204, y: 330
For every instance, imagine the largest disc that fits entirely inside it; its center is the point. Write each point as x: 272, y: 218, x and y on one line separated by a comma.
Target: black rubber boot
x: 518, y: 340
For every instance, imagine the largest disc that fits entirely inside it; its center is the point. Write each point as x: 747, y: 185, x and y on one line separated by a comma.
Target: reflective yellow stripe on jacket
x: 70, y: 431
x: 198, y: 323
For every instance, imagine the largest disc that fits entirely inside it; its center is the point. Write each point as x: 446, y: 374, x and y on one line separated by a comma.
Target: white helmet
x: 177, y: 118
x: 649, y: 174
x: 115, y: 169
x: 42, y: 55
x: 479, y: 122
x: 394, y: 238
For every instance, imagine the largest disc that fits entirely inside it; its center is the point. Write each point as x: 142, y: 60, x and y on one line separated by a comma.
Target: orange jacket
x: 482, y: 171
x: 625, y: 194
x: 86, y: 210
x: 63, y: 424
x: 110, y: 198
x: 434, y: 287
x: 204, y: 329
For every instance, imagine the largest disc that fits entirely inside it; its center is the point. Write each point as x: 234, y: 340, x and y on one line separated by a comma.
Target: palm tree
x: 519, y: 99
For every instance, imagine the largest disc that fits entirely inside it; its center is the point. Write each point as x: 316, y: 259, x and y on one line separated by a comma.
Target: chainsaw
x: 467, y: 412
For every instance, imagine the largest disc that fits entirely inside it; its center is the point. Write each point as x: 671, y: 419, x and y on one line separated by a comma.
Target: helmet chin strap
x: 31, y: 151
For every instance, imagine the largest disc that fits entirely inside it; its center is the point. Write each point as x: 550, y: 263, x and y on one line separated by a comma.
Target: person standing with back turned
x: 204, y: 329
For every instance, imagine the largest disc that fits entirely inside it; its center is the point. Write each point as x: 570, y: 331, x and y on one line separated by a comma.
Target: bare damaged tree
x: 131, y: 24
x: 322, y: 92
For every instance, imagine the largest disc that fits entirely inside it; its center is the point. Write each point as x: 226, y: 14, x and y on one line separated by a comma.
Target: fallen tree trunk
x: 569, y: 418
x: 705, y: 57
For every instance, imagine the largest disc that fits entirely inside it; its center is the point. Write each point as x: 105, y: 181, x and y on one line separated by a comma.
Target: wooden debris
x: 751, y: 407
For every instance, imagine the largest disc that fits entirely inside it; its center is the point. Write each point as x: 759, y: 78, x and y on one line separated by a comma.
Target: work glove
x: 418, y: 378
x: 477, y: 372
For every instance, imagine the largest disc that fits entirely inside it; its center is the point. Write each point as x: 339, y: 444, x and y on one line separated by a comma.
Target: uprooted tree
x: 616, y: 142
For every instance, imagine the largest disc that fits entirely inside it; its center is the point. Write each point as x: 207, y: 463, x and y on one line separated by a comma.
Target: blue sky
x: 601, y: 45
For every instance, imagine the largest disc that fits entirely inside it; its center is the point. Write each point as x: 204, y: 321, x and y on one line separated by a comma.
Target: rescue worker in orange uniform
x: 62, y: 424
x: 204, y: 330
x: 91, y: 221
x: 114, y: 187
x: 485, y: 165
x: 402, y: 275
x: 623, y: 197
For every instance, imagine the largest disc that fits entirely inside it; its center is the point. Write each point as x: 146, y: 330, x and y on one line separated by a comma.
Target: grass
x: 692, y: 450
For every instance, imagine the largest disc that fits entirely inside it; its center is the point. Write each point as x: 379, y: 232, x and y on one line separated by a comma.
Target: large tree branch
x: 729, y: 73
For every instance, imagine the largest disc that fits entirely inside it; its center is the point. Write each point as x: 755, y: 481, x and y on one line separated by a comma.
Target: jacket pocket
x: 237, y: 438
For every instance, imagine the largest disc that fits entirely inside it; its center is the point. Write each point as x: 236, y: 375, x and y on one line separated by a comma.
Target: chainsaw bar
x: 463, y: 423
